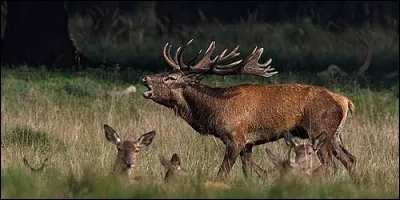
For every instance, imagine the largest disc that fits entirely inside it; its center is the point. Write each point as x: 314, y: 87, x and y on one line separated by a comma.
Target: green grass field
x: 60, y: 116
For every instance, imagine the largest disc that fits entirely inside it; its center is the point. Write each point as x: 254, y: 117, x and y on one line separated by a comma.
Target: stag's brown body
x: 246, y: 115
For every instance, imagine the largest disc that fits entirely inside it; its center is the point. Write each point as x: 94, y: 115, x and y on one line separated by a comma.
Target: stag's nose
x: 144, y: 79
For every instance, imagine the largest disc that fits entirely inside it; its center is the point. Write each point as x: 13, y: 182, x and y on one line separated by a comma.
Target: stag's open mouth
x: 147, y: 94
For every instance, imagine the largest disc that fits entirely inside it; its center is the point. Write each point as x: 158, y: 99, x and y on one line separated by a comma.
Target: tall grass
x: 66, y: 113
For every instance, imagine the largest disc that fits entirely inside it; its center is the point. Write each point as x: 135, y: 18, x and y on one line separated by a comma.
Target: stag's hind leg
x: 344, y: 156
x: 325, y: 155
x: 246, y: 158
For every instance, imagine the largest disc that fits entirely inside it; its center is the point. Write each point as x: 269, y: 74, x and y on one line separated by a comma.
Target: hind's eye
x: 136, y: 150
x: 119, y: 149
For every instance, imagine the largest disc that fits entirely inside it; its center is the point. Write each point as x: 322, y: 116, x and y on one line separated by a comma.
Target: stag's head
x: 127, y: 149
x: 165, y: 88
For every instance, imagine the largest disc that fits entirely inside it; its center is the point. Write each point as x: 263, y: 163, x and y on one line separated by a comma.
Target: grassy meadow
x: 60, y: 116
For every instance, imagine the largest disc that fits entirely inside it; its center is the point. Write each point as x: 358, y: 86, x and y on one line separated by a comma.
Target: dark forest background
x: 324, y: 39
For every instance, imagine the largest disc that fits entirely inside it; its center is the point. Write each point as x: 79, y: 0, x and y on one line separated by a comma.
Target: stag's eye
x: 119, y: 149
x: 169, y: 78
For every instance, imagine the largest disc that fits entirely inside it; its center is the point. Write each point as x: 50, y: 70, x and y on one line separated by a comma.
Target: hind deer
x: 127, y: 150
x: 301, y: 166
x: 175, y: 173
x: 247, y: 115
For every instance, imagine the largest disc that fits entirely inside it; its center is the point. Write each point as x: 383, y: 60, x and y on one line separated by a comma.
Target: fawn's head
x: 303, y: 153
x: 127, y: 149
x: 174, y: 169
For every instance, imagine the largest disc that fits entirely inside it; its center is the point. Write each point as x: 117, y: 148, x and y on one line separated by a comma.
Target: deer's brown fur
x: 247, y: 115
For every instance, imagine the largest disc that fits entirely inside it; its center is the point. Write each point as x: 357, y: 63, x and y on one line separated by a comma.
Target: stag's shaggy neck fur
x: 199, y: 103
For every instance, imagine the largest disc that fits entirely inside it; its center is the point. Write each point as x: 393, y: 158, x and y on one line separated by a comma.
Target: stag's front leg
x: 245, y: 156
x: 231, y: 154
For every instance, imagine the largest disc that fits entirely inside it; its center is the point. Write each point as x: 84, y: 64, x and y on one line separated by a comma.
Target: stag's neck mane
x: 199, y: 103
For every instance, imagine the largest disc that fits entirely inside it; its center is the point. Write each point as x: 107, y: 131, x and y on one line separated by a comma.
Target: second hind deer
x: 175, y: 173
x: 299, y: 167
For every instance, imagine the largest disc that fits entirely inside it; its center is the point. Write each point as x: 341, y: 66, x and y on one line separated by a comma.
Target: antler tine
x: 232, y: 54
x: 167, y: 57
x: 206, y: 63
x: 232, y: 67
x: 195, y: 58
x: 252, y: 67
x: 176, y: 55
x: 179, y: 55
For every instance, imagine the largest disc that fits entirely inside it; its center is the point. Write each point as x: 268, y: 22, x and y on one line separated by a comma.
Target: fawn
x: 177, y: 174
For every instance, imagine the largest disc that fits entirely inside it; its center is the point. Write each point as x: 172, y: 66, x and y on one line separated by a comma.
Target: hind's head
x: 175, y: 172
x: 127, y: 149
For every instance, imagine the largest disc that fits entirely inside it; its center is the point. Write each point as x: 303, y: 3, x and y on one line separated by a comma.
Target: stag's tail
x: 351, y: 107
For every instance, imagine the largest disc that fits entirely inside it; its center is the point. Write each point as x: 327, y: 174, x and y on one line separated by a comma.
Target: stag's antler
x: 249, y: 66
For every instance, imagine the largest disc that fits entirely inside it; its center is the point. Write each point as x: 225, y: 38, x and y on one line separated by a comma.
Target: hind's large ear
x: 319, y: 141
x: 111, y: 134
x: 289, y: 140
x: 175, y: 160
x: 146, y: 139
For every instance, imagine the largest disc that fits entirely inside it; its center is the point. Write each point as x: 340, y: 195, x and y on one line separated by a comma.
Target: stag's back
x: 281, y: 107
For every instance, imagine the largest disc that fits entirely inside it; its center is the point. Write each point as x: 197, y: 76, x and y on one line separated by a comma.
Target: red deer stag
x: 247, y: 115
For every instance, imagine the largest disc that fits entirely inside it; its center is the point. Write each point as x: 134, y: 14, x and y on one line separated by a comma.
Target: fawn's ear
x: 319, y: 141
x: 175, y: 160
x: 165, y: 162
x: 275, y: 160
x: 289, y: 140
x: 146, y: 139
x: 111, y: 134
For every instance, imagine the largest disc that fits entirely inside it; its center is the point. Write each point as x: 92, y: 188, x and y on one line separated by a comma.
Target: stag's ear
x: 175, y: 160
x: 165, y: 162
x: 111, y: 134
x: 146, y: 139
x: 319, y: 141
x: 289, y: 140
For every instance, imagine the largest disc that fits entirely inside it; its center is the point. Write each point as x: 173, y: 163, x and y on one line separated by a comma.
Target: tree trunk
x: 37, y: 34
